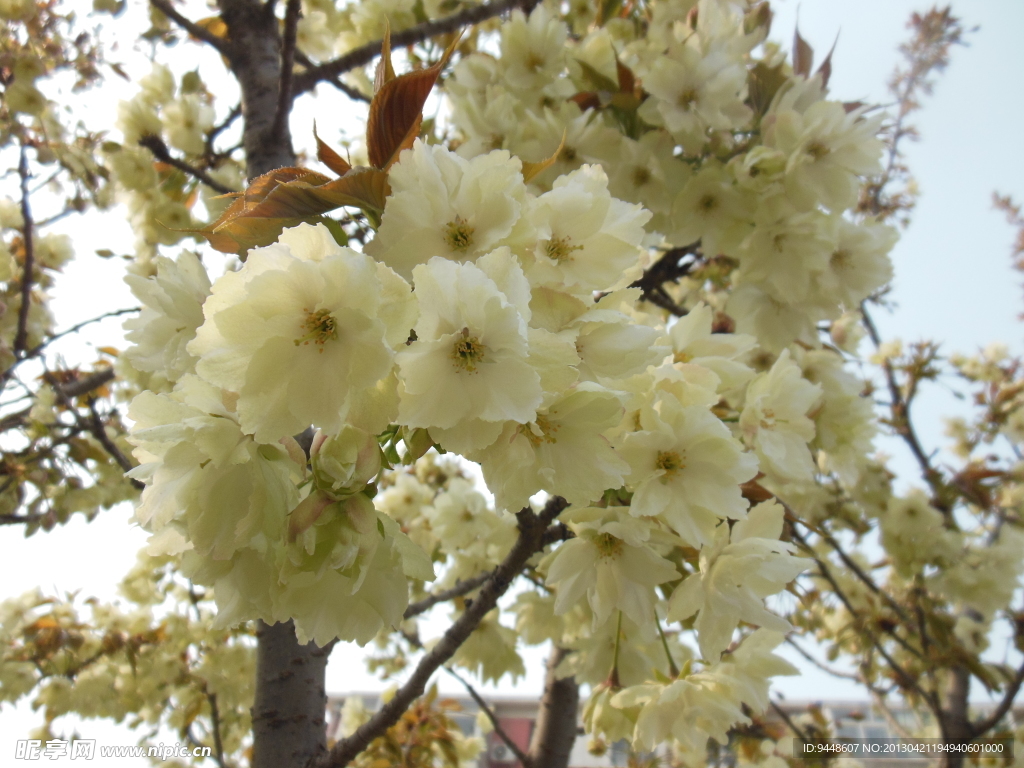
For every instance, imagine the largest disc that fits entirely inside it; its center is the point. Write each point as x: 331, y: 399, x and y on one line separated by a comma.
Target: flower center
x: 568, y: 155
x: 682, y: 357
x: 467, y: 352
x: 840, y: 259
x: 608, y: 545
x: 817, y: 150
x: 707, y: 203
x: 320, y: 327
x: 669, y: 461
x: 458, y: 234
x: 541, y: 431
x: 561, y: 248
x: 640, y: 176
x: 767, y: 418
x: 687, y: 98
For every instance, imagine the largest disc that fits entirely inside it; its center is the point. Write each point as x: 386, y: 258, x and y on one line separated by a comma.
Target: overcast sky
x: 953, y: 282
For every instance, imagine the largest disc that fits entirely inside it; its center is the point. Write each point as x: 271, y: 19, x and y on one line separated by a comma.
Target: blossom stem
x: 672, y: 668
x: 613, y: 676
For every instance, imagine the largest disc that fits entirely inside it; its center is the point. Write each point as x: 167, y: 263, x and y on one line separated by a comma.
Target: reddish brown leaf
x: 396, y: 110
x: 586, y: 100
x: 329, y: 157
x: 385, y: 72
x: 288, y: 196
x: 627, y: 80
x: 825, y: 70
x: 803, y: 55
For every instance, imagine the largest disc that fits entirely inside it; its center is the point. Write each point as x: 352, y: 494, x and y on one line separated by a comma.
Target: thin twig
x: 21, y: 335
x: 461, y: 587
x: 364, y: 54
x: 521, y: 756
x: 94, y: 425
x: 982, y: 727
x: 217, y: 130
x: 821, y: 665
x: 532, y: 528
x: 19, y: 519
x: 789, y: 721
x: 198, y: 32
x: 348, y: 90
x: 79, y: 326
x: 160, y: 151
x: 284, y: 88
x: 215, y: 720
x: 900, y: 409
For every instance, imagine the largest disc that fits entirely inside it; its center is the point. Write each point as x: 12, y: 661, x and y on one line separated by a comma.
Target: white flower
x: 829, y: 151
x: 735, y: 576
x: 468, y: 366
x: 587, y: 240
x: 444, y: 205
x: 693, y: 343
x: 203, y: 475
x: 693, y: 93
x: 296, y: 334
x: 610, y: 563
x: 774, y: 419
x: 172, y: 311
x: 713, y: 209
x: 532, y: 50
x: 686, y: 469
x: 545, y: 454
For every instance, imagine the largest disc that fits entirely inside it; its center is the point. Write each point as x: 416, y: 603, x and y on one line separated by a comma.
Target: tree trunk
x: 955, y: 720
x: 556, y: 727
x: 291, y: 701
x: 255, y: 59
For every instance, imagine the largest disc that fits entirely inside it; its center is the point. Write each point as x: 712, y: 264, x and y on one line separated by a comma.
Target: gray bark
x: 255, y: 59
x: 288, y: 714
x: 955, y: 720
x: 556, y: 727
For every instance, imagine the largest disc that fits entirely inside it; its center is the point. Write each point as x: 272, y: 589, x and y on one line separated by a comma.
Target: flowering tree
x: 621, y: 270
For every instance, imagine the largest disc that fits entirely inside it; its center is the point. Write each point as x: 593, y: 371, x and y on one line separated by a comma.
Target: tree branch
x: 196, y: 31
x: 521, y: 756
x: 788, y: 720
x: 160, y: 151
x: 215, y: 720
x: 461, y: 587
x: 79, y: 326
x: 821, y: 665
x: 982, y: 727
x: 364, y: 54
x: 21, y: 335
x: 348, y: 90
x: 284, y: 91
x: 532, y: 528
x: 94, y: 425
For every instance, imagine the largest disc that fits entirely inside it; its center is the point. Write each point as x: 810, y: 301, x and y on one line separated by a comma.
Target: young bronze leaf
x: 385, y: 72
x: 825, y: 70
x: 396, y: 110
x: 245, y: 202
x: 803, y: 55
x: 627, y: 80
x: 531, y: 170
x: 364, y: 188
x: 329, y: 157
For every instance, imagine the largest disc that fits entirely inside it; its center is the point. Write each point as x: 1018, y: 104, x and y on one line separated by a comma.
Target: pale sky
x: 953, y: 282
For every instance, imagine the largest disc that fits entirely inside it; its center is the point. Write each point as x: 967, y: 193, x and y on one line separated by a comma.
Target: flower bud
x: 343, y: 465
